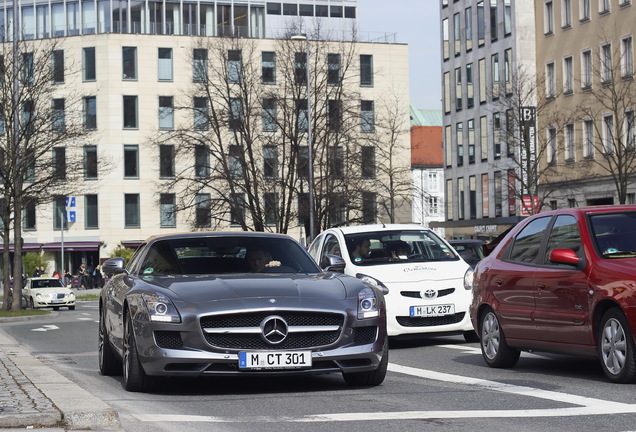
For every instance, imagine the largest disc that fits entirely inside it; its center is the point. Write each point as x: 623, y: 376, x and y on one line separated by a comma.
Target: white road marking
x: 583, y: 405
x: 46, y: 328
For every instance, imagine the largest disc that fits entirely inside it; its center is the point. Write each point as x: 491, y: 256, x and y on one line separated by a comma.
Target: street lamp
x: 310, y: 151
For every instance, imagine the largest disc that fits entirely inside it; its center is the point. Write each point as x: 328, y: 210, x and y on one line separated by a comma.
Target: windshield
x: 397, y: 246
x: 226, y: 254
x: 46, y: 283
x: 614, y: 234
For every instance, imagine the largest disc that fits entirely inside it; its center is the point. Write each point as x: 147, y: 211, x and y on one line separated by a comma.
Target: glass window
x: 627, y: 56
x: 336, y: 162
x: 368, y: 162
x: 459, y: 137
x: 167, y: 210
x: 458, y: 89
x: 130, y: 112
x: 271, y: 208
x: 551, y: 147
x: 90, y: 162
x: 334, y: 115
x: 481, y: 24
x: 334, y: 69
x: 201, y: 161
x: 268, y: 65
x: 322, y: 10
x: 369, y: 207
x: 606, y: 63
x: 165, y: 64
x: 58, y: 66
x: 58, y: 120
x: 495, y: 75
x: 131, y: 211
x: 350, y: 12
x: 566, y: 13
x: 270, y: 161
x: 166, y: 112
x: 306, y: 10
x: 493, y: 20
x: 27, y: 69
x: 166, y: 161
x: 201, y: 119
x: 273, y: 8
x: 234, y: 161
x: 300, y: 68
x: 457, y: 31
x: 588, y: 145
x: 237, y: 209
x: 586, y: 69
x: 129, y: 63
x: 59, y: 212
x: 550, y: 82
x: 447, y: 93
x: 90, y: 112
x: 366, y: 70
x: 446, y: 39
x: 335, y: 12
x: 269, y: 115
x: 470, y: 89
x: 59, y: 163
x: 548, y: 18
x: 507, y: 17
x: 471, y: 141
x: 568, y: 75
x: 28, y: 215
x: 131, y: 161
x: 569, y: 142
x: 496, y: 136
x: 88, y: 64
x: 234, y: 66
x: 528, y: 242
x: 236, y: 114
x: 91, y: 216
x: 481, y: 64
x: 367, y: 116
x: 608, y: 134
x: 290, y: 9
x: 199, y: 65
x: 302, y: 114
x: 468, y: 28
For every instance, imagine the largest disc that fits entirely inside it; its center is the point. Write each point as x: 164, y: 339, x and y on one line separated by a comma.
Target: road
x: 432, y: 384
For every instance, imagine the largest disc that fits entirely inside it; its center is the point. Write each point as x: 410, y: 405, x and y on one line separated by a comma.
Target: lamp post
x: 310, y: 151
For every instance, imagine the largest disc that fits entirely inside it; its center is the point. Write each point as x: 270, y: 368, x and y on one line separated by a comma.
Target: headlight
x: 468, y: 279
x: 38, y: 296
x: 160, y: 308
x: 71, y: 295
x: 372, y: 281
x: 367, y: 304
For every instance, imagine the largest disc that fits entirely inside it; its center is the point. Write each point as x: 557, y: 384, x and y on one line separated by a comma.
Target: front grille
x: 365, y: 335
x: 418, y: 294
x: 168, y: 339
x: 236, y: 339
x: 406, y: 321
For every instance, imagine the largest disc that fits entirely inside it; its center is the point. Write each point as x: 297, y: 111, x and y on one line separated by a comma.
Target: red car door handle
x: 541, y: 286
x: 499, y: 282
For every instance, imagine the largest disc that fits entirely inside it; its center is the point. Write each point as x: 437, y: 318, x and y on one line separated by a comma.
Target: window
x: 471, y: 141
x: 368, y: 162
x: 498, y: 193
x: 527, y: 243
x: 234, y: 66
x: 629, y: 131
x: 569, y: 142
x: 507, y: 17
x: 199, y: 65
x: 468, y: 28
x: 336, y: 162
x: 449, y: 199
x: 300, y: 68
x: 131, y: 161
x: 482, y: 80
x: 91, y: 213
x: 367, y: 116
x: 334, y: 115
x: 164, y: 62
x: 88, y: 64
x: 494, y: 64
x: 548, y: 18
x: 566, y: 13
x: 90, y: 162
x: 167, y: 210
x: 131, y: 211
x: 588, y: 136
x: 369, y: 207
x: 273, y: 8
x: 235, y: 163
x: 166, y: 112
x: 302, y: 114
x: 334, y: 69
x: 237, y: 209
x: 201, y: 161
x: 568, y: 75
x: 58, y: 120
x: 584, y: 10
x: 322, y: 11
x: 508, y: 71
x: 59, y: 210
x: 271, y: 208
x: 472, y: 197
x: 90, y: 112
x: 459, y: 137
x: 457, y: 31
x: 470, y: 91
x: 130, y: 112
x: 306, y: 10
x: 59, y: 163
x: 448, y: 146
x: 550, y: 87
x: 366, y: 70
x: 28, y: 214
x: 458, y: 89
x: 270, y: 161
x: 481, y: 24
x: 586, y: 69
x: 485, y: 196
x: 166, y: 161
x: 603, y: 6
x: 496, y: 136
x: 268, y: 67
x: 493, y: 20
x: 606, y: 63
x: 290, y: 9
x: 337, y: 209
x: 551, y: 147
x: 335, y: 11
x: 27, y: 71
x: 58, y: 66
x: 269, y: 115
x: 303, y: 162
x: 627, y: 57
x: 460, y: 198
x: 201, y: 120
x: 27, y: 116
x: 236, y: 114
x: 129, y: 63
x: 447, y: 93
x: 446, y: 38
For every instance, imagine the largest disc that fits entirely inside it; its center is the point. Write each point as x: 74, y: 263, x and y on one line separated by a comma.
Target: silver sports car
x: 236, y: 304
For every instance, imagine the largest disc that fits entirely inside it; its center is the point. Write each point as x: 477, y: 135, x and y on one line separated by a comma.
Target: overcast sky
x: 416, y: 23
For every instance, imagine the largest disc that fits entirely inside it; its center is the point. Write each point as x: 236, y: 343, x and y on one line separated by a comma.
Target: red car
x: 562, y: 281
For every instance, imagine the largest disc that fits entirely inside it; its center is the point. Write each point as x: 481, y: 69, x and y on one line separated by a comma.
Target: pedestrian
x: 81, y: 272
x: 57, y: 275
x: 67, y: 278
x: 98, y: 278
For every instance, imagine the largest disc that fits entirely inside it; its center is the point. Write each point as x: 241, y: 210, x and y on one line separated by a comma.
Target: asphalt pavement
x: 34, y: 395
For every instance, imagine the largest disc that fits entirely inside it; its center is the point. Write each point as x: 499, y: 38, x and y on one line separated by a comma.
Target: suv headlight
x: 468, y: 279
x: 160, y: 308
x: 367, y: 304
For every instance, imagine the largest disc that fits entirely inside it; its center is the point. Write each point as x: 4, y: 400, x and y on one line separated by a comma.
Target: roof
x: 380, y: 227
x: 424, y: 117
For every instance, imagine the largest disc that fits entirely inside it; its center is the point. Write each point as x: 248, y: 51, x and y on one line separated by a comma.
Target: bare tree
x: 41, y: 141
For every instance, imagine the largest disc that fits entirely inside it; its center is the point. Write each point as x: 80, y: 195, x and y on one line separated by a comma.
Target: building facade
x: 137, y: 67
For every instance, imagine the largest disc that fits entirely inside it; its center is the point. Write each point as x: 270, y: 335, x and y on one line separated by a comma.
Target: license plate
x: 275, y: 360
x: 57, y: 301
x: 432, y: 310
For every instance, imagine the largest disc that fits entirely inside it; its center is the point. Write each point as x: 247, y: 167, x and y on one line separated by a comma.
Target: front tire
x: 135, y: 378
x: 494, y: 348
x: 370, y: 378
x: 109, y: 364
x: 616, y: 347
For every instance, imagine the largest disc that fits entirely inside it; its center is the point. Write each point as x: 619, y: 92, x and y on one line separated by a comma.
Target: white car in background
x: 42, y: 292
x: 428, y: 283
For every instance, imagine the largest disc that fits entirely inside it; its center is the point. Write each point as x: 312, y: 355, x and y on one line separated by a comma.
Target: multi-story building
x: 137, y: 65
x: 484, y: 44
x: 427, y: 167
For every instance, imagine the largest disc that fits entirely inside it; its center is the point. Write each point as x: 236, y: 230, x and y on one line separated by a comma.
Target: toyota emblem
x: 430, y: 293
x: 274, y: 329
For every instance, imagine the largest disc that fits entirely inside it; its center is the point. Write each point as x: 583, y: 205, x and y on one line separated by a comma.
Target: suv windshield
x: 397, y: 246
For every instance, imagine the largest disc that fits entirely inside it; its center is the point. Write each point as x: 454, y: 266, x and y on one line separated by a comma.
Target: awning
x: 27, y: 247
x: 72, y: 246
x: 134, y: 244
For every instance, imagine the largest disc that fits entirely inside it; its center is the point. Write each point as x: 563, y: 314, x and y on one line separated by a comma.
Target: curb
x: 38, y: 395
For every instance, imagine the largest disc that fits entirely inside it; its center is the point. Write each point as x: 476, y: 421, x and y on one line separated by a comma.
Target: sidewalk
x: 34, y: 394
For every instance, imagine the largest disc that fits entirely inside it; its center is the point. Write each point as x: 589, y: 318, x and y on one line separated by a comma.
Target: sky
x: 416, y: 23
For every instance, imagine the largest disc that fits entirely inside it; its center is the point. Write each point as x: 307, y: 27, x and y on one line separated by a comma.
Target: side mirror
x: 333, y: 263
x: 566, y: 256
x: 114, y: 266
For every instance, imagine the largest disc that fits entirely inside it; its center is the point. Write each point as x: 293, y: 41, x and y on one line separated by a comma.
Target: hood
x: 412, y: 272
x: 195, y: 289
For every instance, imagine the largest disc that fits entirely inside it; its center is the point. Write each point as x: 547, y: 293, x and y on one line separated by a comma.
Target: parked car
x: 236, y: 304
x: 423, y: 274
x: 471, y: 250
x: 562, y: 281
x: 43, y: 292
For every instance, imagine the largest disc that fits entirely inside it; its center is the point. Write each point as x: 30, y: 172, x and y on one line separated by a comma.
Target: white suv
x: 424, y: 275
